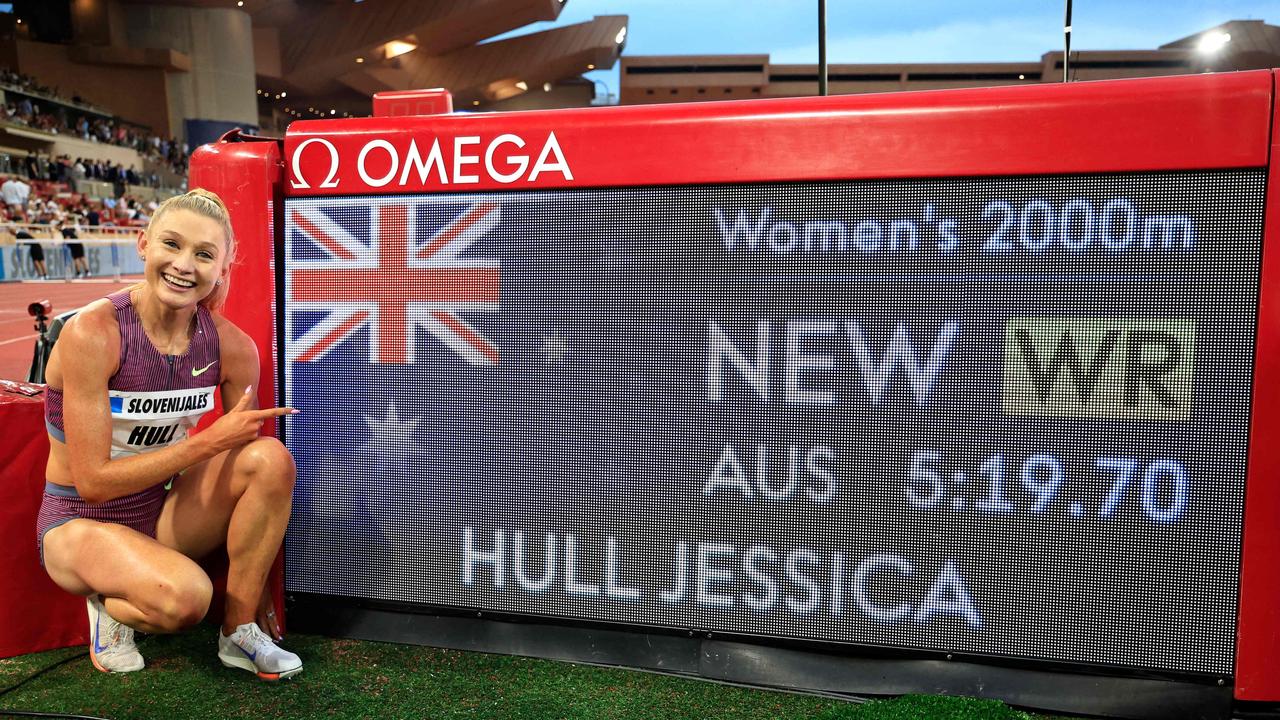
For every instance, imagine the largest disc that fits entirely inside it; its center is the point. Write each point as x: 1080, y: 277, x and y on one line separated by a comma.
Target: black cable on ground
x: 38, y: 673
x: 34, y: 713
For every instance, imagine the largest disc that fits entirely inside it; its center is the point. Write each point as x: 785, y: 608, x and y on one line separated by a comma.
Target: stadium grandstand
x: 75, y: 175
x: 97, y: 160
x: 63, y: 203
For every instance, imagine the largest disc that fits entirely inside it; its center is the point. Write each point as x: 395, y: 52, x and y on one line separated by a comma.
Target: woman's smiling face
x: 184, y: 255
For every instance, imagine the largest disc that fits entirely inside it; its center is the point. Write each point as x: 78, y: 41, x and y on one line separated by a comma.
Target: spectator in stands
x: 15, y: 194
x: 36, y: 214
x: 50, y: 212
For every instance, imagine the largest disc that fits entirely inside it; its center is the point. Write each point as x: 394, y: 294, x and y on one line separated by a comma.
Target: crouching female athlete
x: 130, y: 499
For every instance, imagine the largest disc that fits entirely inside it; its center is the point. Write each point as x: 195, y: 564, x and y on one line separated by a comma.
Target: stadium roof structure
x: 337, y: 53
x: 1250, y: 43
x: 324, y: 57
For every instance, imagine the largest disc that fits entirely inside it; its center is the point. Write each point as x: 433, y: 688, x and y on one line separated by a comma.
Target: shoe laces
x: 117, y: 633
x: 256, y: 639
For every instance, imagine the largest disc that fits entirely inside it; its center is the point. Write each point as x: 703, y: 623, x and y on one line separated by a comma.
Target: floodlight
x: 399, y: 47
x: 1214, y: 41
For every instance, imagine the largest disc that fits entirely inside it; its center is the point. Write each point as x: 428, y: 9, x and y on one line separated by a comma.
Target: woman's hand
x: 241, y: 425
x: 267, y: 619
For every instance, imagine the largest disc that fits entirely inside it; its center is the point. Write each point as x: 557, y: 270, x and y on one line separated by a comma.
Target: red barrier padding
x: 1258, y: 625
x: 38, y: 614
x: 246, y: 174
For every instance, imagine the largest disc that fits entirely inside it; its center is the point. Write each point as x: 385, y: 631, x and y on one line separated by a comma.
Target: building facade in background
x: 1235, y: 45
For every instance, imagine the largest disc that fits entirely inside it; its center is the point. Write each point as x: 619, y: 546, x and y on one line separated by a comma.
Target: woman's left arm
x: 239, y: 364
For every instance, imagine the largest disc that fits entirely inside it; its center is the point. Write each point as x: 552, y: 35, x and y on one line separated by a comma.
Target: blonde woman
x: 131, y: 500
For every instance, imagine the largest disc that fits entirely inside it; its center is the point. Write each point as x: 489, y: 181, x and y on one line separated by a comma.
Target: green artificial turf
x: 356, y: 679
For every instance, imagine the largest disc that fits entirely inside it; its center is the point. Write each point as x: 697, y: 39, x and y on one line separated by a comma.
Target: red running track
x: 17, y: 328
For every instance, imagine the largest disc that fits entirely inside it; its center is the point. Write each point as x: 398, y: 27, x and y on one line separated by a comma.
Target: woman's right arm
x: 85, y: 348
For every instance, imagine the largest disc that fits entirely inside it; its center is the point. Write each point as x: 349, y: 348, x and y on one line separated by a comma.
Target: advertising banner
x: 104, y: 260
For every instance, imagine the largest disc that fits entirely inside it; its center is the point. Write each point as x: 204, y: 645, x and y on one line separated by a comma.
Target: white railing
x: 87, y: 234
x: 110, y: 251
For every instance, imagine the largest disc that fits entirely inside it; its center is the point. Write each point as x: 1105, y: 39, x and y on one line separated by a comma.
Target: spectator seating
x: 21, y: 106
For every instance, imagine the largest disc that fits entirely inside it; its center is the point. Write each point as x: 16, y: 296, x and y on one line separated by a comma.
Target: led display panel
x: 1002, y: 416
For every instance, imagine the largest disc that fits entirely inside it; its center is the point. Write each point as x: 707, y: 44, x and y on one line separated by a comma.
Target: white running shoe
x: 111, y: 646
x: 248, y: 648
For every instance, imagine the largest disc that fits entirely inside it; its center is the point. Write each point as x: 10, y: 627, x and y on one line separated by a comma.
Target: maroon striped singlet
x: 155, y: 400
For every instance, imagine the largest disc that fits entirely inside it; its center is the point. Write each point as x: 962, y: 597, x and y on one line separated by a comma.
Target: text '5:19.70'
x: 1039, y: 485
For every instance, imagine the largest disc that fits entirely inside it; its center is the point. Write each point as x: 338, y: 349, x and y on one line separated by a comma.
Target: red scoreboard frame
x: 1204, y: 122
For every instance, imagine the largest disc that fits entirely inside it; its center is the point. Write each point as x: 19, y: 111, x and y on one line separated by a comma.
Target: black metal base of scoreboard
x: 701, y: 655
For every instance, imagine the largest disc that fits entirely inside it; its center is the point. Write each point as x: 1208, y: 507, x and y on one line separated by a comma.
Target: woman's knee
x: 180, y: 602
x: 267, y: 461
x: 171, y: 591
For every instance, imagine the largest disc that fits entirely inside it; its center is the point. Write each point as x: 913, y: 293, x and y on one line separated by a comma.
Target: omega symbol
x: 330, y: 180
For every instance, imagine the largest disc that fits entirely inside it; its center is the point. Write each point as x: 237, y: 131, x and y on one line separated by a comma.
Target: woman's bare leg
x: 242, y: 497
x: 145, y: 585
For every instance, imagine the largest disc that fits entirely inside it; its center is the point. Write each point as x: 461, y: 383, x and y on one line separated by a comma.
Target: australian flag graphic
x: 459, y: 360
x: 391, y: 270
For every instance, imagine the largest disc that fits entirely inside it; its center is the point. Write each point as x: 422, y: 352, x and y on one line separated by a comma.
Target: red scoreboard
x: 981, y: 376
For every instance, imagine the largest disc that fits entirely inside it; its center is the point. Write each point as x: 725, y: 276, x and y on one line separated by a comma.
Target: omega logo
x: 459, y: 162
x: 330, y: 179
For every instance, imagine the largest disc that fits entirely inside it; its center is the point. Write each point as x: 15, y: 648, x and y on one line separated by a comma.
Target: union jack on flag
x: 372, y: 265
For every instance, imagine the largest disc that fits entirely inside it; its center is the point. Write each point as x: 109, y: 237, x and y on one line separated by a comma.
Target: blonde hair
x: 208, y: 204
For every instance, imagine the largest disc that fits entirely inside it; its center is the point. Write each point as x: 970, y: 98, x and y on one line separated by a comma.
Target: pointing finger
x: 274, y: 412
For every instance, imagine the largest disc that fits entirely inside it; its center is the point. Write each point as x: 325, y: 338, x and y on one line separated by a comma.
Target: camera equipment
x: 40, y: 310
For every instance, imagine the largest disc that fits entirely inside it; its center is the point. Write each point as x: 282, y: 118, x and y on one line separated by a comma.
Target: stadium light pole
x: 822, y: 47
x: 1066, y: 53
